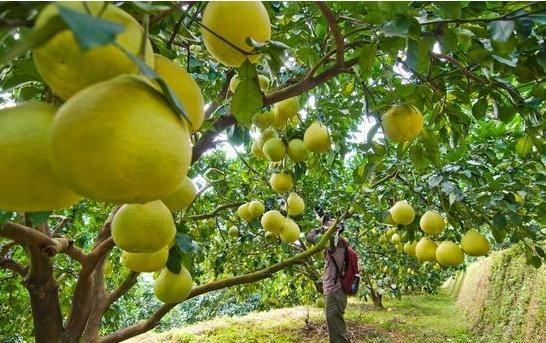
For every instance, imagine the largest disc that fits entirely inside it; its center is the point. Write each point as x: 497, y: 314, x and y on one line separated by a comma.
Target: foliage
x: 476, y: 70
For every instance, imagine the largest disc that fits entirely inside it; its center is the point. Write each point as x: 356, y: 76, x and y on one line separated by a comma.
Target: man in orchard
x: 334, y: 262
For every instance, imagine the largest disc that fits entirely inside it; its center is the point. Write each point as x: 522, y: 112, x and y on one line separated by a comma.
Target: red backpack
x: 350, y: 278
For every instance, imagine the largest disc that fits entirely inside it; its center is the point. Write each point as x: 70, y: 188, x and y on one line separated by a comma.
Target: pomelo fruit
x: 27, y: 180
x: 402, y: 123
x: 145, y: 262
x: 316, y: 138
x: 120, y: 141
x: 449, y: 254
x: 272, y: 221
x: 234, y: 22
x: 256, y: 208
x: 263, y: 120
x: 171, y: 288
x: 182, y: 197
x: 395, y: 238
x: 402, y: 213
x: 233, y: 232
x: 266, y: 135
x: 296, y: 150
x: 184, y: 87
x: 432, y: 223
x: 256, y: 150
x: 274, y: 149
x: 290, y: 231
x: 287, y: 108
x: 270, y: 237
x: 67, y: 69
x: 143, y: 228
x: 474, y: 243
x: 425, y: 250
x: 409, y: 248
x: 294, y: 205
x: 320, y: 302
x: 262, y: 80
x: 244, y: 213
x: 281, y: 182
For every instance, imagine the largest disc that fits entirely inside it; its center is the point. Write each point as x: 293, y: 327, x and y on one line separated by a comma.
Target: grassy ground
x: 417, y: 318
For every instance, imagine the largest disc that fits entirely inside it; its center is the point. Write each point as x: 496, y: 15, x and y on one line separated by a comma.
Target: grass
x: 415, y: 318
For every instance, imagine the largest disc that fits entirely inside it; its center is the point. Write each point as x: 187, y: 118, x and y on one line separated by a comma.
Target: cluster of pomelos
x: 116, y: 138
x: 447, y: 253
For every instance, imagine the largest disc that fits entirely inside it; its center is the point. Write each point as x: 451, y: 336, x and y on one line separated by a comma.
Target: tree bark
x: 44, y: 298
x: 377, y: 299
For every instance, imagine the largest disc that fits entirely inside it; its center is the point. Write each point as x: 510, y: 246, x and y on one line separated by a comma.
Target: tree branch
x: 251, y: 277
x: 129, y: 281
x: 334, y: 29
x: 10, y: 264
x: 214, y: 212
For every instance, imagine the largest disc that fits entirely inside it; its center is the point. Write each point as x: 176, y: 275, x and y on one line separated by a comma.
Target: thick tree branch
x: 154, y: 319
x: 129, y: 282
x: 8, y: 263
x: 334, y: 29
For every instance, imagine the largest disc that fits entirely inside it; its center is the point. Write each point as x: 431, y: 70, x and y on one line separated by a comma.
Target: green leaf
x: 373, y: 130
x: 418, y: 156
x: 450, y: 9
x: 366, y: 58
x: 147, y: 7
x: 185, y: 243
x: 5, y: 216
x: 418, y: 56
x: 103, y: 32
x: 501, y: 30
x: 499, y: 234
x: 399, y: 27
x: 503, y: 112
x: 38, y: 218
x: 174, y: 262
x: 499, y: 221
x: 479, y: 108
x: 448, y: 41
x: 248, y: 99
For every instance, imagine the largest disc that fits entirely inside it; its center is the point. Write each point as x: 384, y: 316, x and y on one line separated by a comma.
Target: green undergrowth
x: 415, y: 318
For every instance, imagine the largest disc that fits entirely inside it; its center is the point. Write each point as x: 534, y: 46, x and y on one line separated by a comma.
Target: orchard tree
x: 354, y: 107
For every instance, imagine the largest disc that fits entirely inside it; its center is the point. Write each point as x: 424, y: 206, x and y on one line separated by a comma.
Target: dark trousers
x: 335, y: 305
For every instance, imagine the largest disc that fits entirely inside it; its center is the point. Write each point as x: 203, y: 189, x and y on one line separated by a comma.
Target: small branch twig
x: 214, y: 212
x: 17, y: 268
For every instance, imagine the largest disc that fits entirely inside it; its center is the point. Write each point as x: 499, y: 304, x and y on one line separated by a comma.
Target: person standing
x: 335, y: 297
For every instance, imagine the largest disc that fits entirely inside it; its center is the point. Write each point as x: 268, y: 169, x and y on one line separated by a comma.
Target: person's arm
x: 311, y: 236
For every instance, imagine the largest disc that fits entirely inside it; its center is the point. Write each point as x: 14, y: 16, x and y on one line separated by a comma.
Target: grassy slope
x: 417, y: 318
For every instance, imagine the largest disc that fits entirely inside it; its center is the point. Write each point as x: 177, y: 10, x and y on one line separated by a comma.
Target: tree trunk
x: 44, y: 298
x: 377, y: 299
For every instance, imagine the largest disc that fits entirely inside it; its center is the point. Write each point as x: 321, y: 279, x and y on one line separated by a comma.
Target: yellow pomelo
x: 182, y: 197
x: 184, y: 87
x: 256, y: 208
x: 171, y: 288
x: 274, y: 149
x: 67, y: 69
x: 387, y: 218
x: 524, y: 145
x: 287, y: 108
x: 294, y: 205
x: 120, y: 141
x: 320, y: 302
x: 432, y: 223
x: 390, y: 232
x: 316, y: 138
x: 281, y: 182
x: 263, y: 120
x: 266, y: 135
x: 270, y: 237
x: 272, y: 221
x: 402, y: 213
x: 244, y: 213
x: 395, y: 238
x: 409, y: 248
x: 262, y: 80
x: 402, y: 123
x: 290, y: 231
x: 233, y: 231
x: 474, y: 243
x: 234, y: 22
x: 143, y: 227
x: 425, y: 250
x: 449, y: 254
x: 297, y: 150
x: 27, y: 180
x: 256, y: 150
x: 145, y: 262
